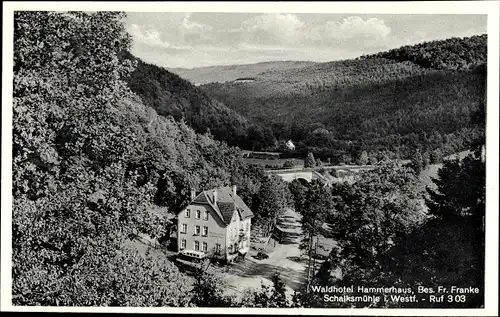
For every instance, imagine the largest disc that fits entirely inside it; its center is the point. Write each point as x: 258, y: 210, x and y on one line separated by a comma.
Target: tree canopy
x: 414, y: 97
x: 90, y: 161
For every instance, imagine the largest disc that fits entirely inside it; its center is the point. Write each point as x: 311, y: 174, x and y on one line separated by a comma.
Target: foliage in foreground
x: 446, y: 248
x: 75, y: 201
x: 90, y: 160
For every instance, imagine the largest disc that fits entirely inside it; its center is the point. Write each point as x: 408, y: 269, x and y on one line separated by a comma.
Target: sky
x: 189, y: 40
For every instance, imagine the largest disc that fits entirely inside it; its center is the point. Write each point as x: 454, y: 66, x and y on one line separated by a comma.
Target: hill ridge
x: 389, y: 101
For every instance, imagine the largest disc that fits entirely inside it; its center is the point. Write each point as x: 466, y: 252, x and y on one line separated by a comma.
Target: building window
x: 205, y: 247
x: 205, y: 231
x: 183, y: 244
x: 217, y: 248
x: 197, y: 230
x: 205, y: 215
x: 198, y: 214
x: 184, y: 228
x: 187, y: 214
x: 197, y: 245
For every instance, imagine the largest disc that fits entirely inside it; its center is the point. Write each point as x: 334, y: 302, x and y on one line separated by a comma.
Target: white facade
x: 238, y: 236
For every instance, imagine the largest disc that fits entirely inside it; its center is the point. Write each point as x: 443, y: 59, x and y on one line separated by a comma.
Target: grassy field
x: 431, y: 171
x: 264, y: 162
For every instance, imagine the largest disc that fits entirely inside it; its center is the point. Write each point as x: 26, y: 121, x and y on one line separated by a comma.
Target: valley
x: 395, y: 102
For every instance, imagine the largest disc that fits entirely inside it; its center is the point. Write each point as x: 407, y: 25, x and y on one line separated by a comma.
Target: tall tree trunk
x: 309, y: 261
x: 314, y: 258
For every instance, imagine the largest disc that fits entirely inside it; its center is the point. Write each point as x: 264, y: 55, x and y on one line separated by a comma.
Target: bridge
x: 341, y: 173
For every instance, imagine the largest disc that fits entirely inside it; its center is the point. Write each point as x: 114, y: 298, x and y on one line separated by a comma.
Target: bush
x: 288, y: 164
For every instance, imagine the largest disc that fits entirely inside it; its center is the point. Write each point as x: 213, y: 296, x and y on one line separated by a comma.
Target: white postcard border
x: 490, y: 8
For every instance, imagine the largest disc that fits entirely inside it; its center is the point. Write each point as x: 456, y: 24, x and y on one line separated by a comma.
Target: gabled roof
x: 226, y: 203
x: 227, y: 210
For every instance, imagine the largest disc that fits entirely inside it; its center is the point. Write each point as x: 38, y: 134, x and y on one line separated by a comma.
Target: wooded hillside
x: 91, y: 162
x: 221, y: 74
x: 452, y: 53
x: 171, y: 95
x: 392, y: 101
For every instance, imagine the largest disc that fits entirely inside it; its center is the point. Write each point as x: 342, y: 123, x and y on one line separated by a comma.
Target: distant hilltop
x: 233, y: 73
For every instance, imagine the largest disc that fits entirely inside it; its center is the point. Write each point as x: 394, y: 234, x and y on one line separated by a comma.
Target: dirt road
x: 286, y: 259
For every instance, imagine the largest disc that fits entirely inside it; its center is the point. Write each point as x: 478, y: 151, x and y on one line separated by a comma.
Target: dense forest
x: 399, y: 101
x: 452, y: 53
x: 391, y: 231
x: 171, y: 95
x: 91, y: 163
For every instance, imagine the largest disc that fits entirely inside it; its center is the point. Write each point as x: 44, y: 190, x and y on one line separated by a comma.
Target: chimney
x: 234, y: 190
x: 193, y: 193
x: 215, y: 195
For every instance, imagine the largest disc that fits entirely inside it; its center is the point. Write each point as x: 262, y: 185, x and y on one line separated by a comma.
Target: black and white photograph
x: 284, y: 157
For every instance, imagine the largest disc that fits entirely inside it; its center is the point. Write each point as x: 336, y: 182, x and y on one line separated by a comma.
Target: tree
x: 457, y: 227
x: 460, y: 189
x: 69, y: 153
x: 318, y: 162
x: 317, y: 204
x: 436, y: 156
x: 363, y: 158
x: 256, y: 137
x: 271, y: 202
x: 269, y: 296
x: 248, y: 179
x: 309, y: 161
x: 79, y: 194
x: 268, y: 138
x: 131, y: 278
x: 426, y: 157
x: 298, y: 190
x: 172, y: 95
x: 372, y: 214
x: 288, y: 164
x: 417, y: 162
x: 208, y: 289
